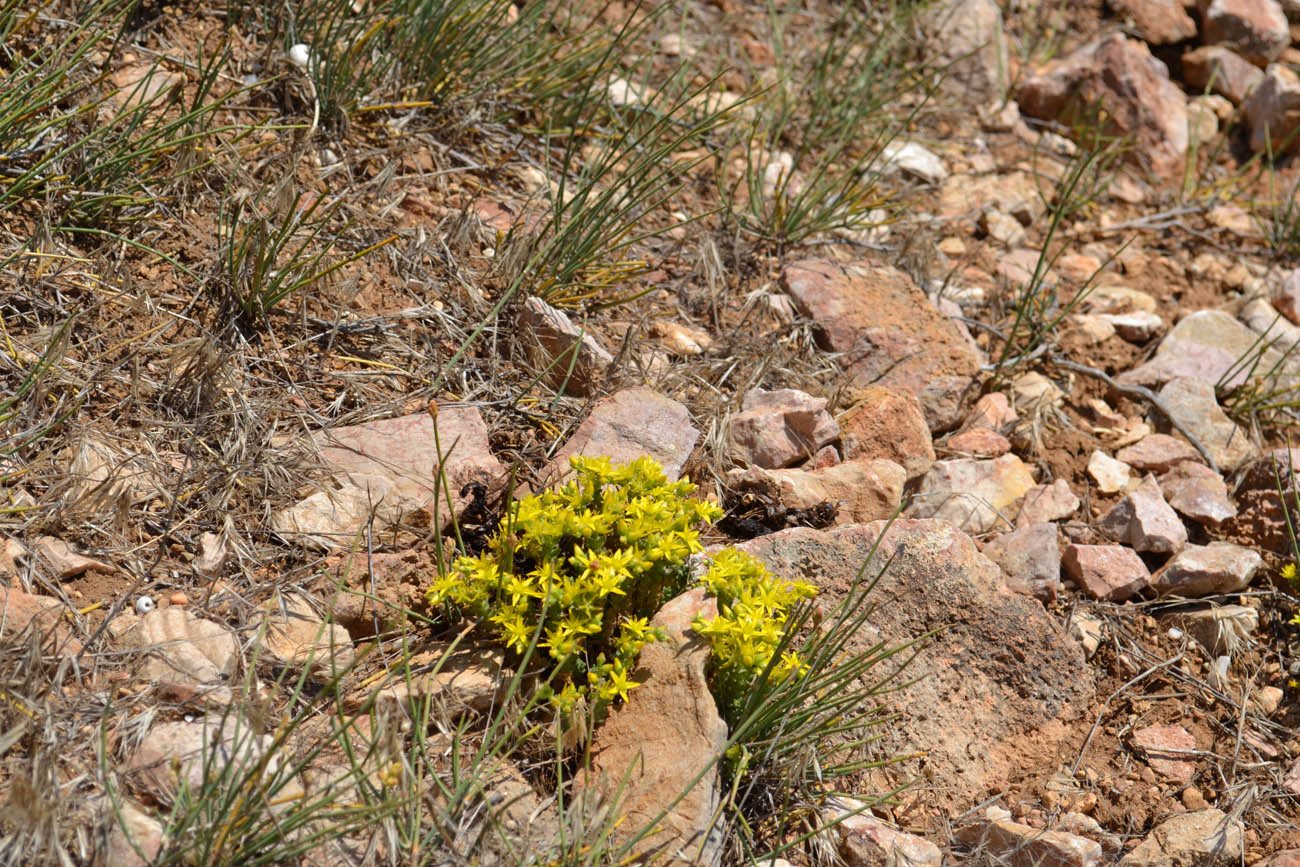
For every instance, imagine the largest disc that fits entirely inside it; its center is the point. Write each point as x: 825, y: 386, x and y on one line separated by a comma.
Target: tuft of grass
x: 809, y: 148
x: 1038, y: 310
x: 794, y: 739
x: 275, y: 245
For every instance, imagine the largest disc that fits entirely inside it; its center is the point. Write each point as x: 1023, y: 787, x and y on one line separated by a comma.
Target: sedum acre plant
x: 578, y: 571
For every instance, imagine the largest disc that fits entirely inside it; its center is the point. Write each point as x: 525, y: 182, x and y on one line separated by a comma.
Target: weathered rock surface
x: 1208, y: 838
x: 1207, y: 344
x: 886, y: 332
x: 860, y: 490
x: 1167, y: 749
x: 865, y: 841
x: 1144, y: 521
x: 975, y: 663
x: 1109, y: 572
x: 1272, y: 111
x: 187, y: 656
x: 1024, y: 846
x: 777, y: 428
x: 975, y: 495
x: 1255, y: 29
x: 654, y: 746
x: 1222, y: 71
x: 629, y: 424
x: 1157, y: 22
x: 1131, y: 86
x: 1193, y: 403
x: 21, y: 611
x: 294, y: 636
x: 576, y: 360
x: 1111, y: 475
x: 1045, y: 503
x: 1031, y: 558
x: 1198, y: 492
x: 1202, y: 570
x: 1158, y: 453
x: 390, y: 468
x: 888, y: 423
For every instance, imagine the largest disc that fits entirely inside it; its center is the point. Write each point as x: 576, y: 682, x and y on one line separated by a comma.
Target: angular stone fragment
x: 860, y: 490
x: 1198, y: 492
x: 777, y: 428
x: 1167, y: 750
x: 1157, y: 22
x: 1207, y: 344
x: 1110, y: 475
x: 1158, y: 453
x: 1204, y: 570
x: 1046, y: 503
x: 1138, y: 327
x: 1272, y: 111
x: 20, y: 611
x: 888, y: 423
x: 575, y: 359
x: 1131, y: 86
x: 1144, y: 521
x: 966, y: 38
x: 294, y: 636
x: 630, y: 424
x: 863, y: 840
x: 390, y: 469
x: 1025, y: 846
x: 1031, y: 558
x: 1208, y: 838
x: 979, y: 442
x: 666, y: 739
x: 1221, y: 71
x: 1192, y: 402
x: 1107, y: 572
x: 1255, y: 29
x: 975, y: 495
x: 886, y: 332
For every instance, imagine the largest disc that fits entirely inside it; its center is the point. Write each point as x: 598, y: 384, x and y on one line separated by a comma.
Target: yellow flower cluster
x: 753, y: 606
x: 579, y: 569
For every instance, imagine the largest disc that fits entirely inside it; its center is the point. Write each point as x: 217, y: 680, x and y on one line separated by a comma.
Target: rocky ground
x: 1043, y: 390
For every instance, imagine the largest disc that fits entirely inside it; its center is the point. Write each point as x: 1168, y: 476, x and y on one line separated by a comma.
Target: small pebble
x: 300, y: 55
x: 144, y: 605
x: 178, y: 599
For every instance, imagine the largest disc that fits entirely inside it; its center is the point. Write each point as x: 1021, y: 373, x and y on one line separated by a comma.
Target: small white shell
x: 300, y: 55
x: 144, y: 605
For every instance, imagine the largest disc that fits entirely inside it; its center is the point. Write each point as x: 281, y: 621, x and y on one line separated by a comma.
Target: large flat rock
x: 998, y: 691
x: 886, y: 332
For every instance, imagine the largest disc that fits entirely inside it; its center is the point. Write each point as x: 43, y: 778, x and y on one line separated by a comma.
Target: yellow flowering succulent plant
x: 581, y: 568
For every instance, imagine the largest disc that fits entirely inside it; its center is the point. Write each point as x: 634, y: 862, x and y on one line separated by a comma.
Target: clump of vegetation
x: 578, y: 572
